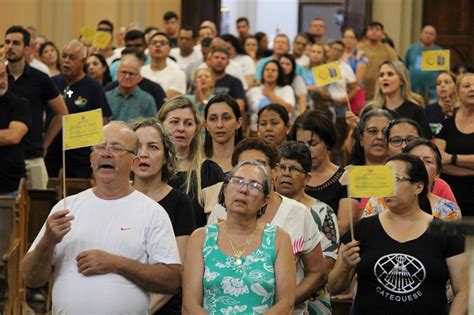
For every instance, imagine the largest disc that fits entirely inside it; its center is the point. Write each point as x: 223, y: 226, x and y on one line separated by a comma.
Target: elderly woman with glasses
x: 295, y: 171
x: 400, y: 267
x: 290, y: 215
x: 240, y: 265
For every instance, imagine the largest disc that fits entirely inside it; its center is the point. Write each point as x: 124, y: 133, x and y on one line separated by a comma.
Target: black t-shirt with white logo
x: 401, y: 278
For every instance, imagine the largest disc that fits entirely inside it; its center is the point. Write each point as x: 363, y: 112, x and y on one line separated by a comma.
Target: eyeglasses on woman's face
x: 254, y: 188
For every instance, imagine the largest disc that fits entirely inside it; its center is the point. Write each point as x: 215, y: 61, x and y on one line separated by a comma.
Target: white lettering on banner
x: 399, y: 298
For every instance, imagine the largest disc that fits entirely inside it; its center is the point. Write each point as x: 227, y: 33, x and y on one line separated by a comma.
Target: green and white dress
x: 246, y: 288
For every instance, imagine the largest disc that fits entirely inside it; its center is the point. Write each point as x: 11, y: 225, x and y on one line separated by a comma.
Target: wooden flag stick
x: 348, y: 103
x: 351, y: 223
x: 64, y: 168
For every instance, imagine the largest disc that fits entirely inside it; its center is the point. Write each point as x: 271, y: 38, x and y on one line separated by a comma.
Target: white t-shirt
x: 135, y: 227
x: 295, y: 219
x: 246, y: 63
x: 35, y: 63
x: 170, y: 78
x: 338, y: 89
x: 256, y: 100
x: 184, y: 62
x: 302, y: 61
x: 116, y: 55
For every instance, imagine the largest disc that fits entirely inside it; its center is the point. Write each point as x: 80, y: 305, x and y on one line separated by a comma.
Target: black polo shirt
x: 12, y: 158
x: 84, y: 95
x: 38, y: 89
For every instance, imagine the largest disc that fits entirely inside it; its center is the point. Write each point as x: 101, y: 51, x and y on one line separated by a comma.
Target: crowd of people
x: 221, y: 187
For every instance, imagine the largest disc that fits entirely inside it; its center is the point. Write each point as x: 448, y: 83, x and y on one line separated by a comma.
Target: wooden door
x: 454, y: 21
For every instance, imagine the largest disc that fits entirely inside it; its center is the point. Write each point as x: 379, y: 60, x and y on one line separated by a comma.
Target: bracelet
x: 454, y: 158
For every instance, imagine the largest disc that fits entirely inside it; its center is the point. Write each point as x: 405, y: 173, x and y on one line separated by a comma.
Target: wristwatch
x: 454, y: 158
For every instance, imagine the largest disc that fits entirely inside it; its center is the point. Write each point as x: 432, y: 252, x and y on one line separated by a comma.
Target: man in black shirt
x: 81, y: 93
x: 15, y: 120
x: 225, y: 83
x: 38, y: 89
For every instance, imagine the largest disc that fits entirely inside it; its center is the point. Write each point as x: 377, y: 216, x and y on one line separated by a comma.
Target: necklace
x: 241, y: 250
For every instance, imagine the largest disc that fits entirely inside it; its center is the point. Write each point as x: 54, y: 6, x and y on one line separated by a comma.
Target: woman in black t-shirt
x: 223, y: 129
x: 392, y: 93
x: 157, y: 164
x: 197, y: 177
x: 400, y: 267
x: 456, y: 143
x: 318, y: 132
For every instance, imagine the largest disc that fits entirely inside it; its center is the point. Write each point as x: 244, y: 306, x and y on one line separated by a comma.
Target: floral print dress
x: 248, y: 288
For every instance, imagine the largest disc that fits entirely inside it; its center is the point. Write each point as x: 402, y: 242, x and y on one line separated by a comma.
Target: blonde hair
x: 196, y: 154
x: 402, y: 72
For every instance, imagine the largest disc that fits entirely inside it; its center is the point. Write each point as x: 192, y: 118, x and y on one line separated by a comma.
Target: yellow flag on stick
x: 371, y: 181
x: 83, y: 129
x: 327, y: 73
x: 435, y: 60
x: 101, y: 40
x: 87, y: 33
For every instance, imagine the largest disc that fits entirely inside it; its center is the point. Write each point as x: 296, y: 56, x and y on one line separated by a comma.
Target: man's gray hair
x: 77, y: 43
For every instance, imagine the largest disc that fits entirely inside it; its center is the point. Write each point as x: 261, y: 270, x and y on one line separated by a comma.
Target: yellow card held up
x: 435, y: 60
x: 83, y: 129
x: 371, y: 181
x: 327, y: 73
x: 101, y: 40
x: 87, y: 33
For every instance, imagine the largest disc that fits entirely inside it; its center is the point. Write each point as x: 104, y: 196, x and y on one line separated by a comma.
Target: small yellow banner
x: 371, y: 181
x: 435, y: 60
x: 101, y: 40
x: 327, y: 73
x: 83, y: 129
x: 87, y: 33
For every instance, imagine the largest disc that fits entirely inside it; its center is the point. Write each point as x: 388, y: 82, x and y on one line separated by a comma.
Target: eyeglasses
x: 398, y: 141
x: 254, y: 188
x: 113, y: 148
x: 373, y: 132
x: 400, y: 179
x: 127, y: 73
x: 163, y: 42
x: 293, y: 170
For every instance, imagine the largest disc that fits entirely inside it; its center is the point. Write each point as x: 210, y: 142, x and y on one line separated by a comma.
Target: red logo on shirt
x: 124, y: 228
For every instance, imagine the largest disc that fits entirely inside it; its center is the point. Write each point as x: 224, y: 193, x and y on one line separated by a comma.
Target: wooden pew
x: 11, y: 261
x: 9, y: 253
x: 41, y: 203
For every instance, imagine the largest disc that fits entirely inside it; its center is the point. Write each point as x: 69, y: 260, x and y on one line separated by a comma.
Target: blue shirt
x: 263, y: 62
x: 136, y: 104
x: 422, y: 82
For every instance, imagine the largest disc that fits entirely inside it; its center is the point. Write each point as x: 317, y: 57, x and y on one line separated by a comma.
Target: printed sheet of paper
x: 327, y: 73
x: 435, y: 60
x: 83, y: 129
x: 371, y: 181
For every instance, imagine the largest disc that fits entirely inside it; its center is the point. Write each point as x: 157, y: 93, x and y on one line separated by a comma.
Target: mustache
x: 106, y: 163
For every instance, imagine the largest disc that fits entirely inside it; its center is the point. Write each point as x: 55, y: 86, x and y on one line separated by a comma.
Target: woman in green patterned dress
x: 240, y: 266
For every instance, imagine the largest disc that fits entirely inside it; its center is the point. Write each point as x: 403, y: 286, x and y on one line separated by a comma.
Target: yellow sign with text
x: 87, y: 33
x: 101, y: 40
x: 371, y: 181
x: 327, y: 73
x: 435, y: 60
x: 83, y: 129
